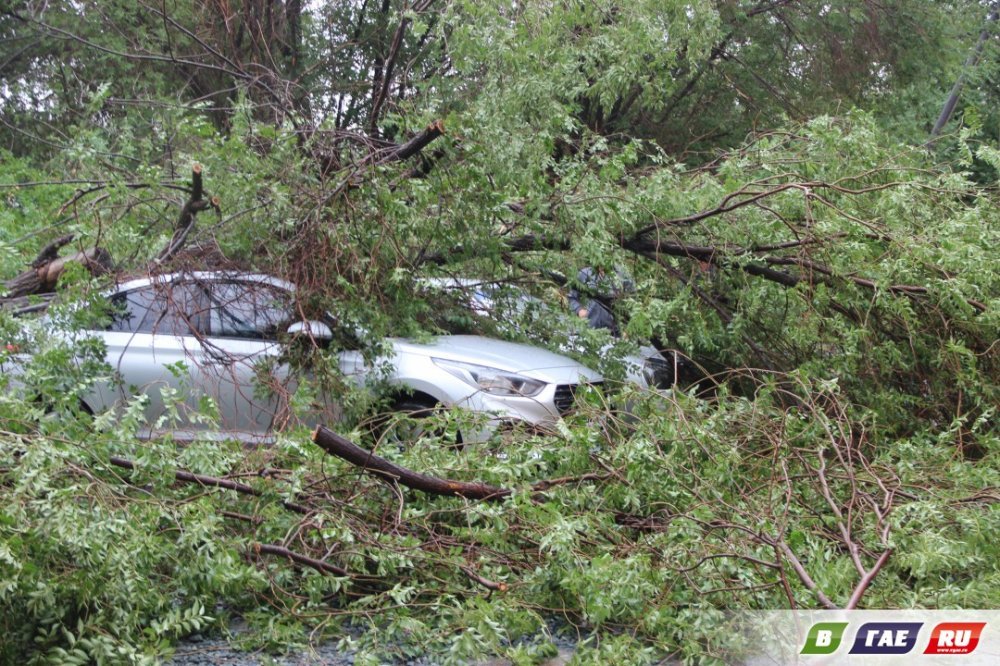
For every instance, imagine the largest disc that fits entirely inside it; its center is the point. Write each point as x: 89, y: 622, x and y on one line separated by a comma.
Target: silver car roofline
x: 166, y: 278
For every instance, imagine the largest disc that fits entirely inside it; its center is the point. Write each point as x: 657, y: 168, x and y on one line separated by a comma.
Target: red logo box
x: 955, y: 638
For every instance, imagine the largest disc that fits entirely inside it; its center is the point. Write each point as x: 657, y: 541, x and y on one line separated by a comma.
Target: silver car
x: 223, y: 336
x: 510, y: 306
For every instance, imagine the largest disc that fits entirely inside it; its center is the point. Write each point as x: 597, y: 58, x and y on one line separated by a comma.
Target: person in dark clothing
x: 592, y: 296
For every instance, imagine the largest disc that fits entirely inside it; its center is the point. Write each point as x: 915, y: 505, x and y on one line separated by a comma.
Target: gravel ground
x: 197, y: 650
x: 215, y: 652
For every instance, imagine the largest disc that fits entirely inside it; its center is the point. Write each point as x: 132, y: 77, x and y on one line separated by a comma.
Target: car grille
x: 566, y: 396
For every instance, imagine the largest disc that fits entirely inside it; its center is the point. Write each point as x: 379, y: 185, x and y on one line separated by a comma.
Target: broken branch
x: 498, y: 586
x: 185, y: 221
x: 298, y: 558
x: 340, y: 447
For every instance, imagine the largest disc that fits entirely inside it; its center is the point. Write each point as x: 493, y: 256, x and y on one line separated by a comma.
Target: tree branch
x: 185, y: 221
x: 416, y: 144
x: 949, y: 106
x: 212, y: 482
x: 804, y: 576
x: 338, y: 446
x: 867, y: 579
x: 492, y: 585
x: 390, y: 64
x: 298, y: 558
x: 51, y: 251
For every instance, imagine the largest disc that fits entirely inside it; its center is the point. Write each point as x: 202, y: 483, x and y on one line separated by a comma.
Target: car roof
x: 205, y: 276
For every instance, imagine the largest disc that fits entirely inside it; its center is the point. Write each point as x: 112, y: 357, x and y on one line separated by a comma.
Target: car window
x: 249, y: 310
x: 160, y: 309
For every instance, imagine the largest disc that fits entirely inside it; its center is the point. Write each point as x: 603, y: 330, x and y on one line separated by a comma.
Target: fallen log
x: 48, y: 266
x: 340, y: 447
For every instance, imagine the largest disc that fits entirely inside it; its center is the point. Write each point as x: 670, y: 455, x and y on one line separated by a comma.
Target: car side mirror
x: 316, y: 330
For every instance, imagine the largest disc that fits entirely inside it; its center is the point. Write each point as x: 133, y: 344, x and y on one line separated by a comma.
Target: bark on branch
x: 51, y: 251
x: 212, y: 482
x: 491, y: 585
x: 340, y: 447
x: 392, y: 153
x: 384, y: 75
x: 298, y: 558
x: 48, y: 266
x: 416, y: 144
x: 970, y: 63
x: 185, y: 221
x: 867, y: 579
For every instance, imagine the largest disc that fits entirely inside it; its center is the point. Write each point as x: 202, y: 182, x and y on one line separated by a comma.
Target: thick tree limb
x: 392, y: 153
x: 949, y: 106
x: 416, y: 144
x: 51, y: 251
x: 340, y: 447
x: 47, y: 268
x: 385, y: 74
x: 185, y: 221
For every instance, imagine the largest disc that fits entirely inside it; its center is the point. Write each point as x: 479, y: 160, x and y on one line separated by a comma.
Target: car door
x: 242, y: 369
x: 152, y: 343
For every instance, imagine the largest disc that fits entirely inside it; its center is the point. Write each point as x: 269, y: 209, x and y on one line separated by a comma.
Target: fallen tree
x: 42, y: 277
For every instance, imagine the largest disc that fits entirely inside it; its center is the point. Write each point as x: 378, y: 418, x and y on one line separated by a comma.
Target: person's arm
x: 575, y: 304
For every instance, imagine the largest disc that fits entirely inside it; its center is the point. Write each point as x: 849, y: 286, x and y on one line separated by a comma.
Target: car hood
x: 532, y: 362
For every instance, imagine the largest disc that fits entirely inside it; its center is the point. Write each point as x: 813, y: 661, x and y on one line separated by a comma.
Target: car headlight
x: 491, y: 380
